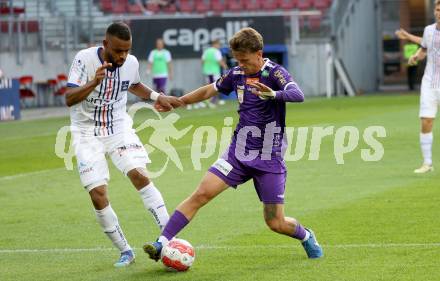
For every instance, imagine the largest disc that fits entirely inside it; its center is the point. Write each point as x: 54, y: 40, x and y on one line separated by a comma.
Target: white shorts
x: 125, y: 149
x: 429, y: 102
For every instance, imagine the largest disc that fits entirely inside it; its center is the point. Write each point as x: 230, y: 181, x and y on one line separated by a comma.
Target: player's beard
x: 112, y: 61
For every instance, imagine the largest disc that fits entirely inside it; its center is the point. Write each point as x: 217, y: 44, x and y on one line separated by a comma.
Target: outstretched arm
x: 141, y: 90
x: 165, y: 102
x: 201, y: 94
x: 402, y: 34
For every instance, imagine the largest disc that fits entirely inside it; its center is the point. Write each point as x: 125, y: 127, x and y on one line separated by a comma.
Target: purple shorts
x: 160, y: 84
x: 269, y: 176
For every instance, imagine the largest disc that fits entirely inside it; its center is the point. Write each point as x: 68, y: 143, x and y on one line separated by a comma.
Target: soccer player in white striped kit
x: 99, y: 80
x: 430, y: 90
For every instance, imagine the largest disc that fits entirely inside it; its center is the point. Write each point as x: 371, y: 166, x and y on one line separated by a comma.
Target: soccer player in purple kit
x: 256, y: 149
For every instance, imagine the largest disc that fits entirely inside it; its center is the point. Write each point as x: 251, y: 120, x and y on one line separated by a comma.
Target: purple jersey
x: 262, y: 122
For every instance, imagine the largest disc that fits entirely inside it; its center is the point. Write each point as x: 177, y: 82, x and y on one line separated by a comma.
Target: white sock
x: 154, y: 203
x: 110, y: 225
x: 307, y: 236
x: 162, y: 239
x: 426, y: 146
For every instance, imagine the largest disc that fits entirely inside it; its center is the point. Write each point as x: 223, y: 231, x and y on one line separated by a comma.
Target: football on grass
x: 178, y: 255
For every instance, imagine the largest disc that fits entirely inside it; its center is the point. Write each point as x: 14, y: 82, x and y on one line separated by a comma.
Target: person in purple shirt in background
x: 256, y: 150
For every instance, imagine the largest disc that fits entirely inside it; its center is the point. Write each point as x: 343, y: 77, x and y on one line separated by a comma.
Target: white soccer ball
x: 178, y: 255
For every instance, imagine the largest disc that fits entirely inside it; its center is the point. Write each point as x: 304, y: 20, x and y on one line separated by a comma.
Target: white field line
x: 27, y: 137
x: 218, y: 247
x: 13, y: 177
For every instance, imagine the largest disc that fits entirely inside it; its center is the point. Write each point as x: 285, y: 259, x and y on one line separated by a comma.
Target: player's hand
x: 175, y: 102
x: 402, y: 34
x: 413, y: 60
x: 167, y: 103
x: 100, y: 72
x: 262, y: 91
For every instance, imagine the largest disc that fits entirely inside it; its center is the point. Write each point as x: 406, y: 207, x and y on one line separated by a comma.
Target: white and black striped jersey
x: 104, y: 111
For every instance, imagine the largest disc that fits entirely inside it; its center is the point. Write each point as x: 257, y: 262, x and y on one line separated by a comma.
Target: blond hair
x: 247, y: 40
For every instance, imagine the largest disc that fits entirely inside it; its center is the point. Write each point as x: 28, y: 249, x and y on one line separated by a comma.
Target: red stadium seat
x: 235, y: 5
x: 26, y: 92
x: 304, y: 4
x: 107, y: 6
x: 5, y: 10
x: 201, y: 6
x: 31, y: 25
x: 269, y: 4
x: 170, y: 9
x: 217, y: 6
x: 52, y: 82
x: 288, y: 4
x: 26, y: 80
x: 61, y: 84
x: 153, y: 7
x: 186, y: 6
x: 322, y: 4
x: 120, y: 6
x: 252, y: 5
x: 315, y: 23
x: 134, y: 9
x: 59, y: 88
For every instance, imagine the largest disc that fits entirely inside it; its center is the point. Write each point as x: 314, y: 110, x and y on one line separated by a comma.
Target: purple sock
x: 176, y: 223
x: 300, y: 232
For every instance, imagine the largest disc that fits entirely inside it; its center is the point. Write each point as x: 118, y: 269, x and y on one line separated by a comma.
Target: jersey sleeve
x: 136, y: 78
x: 150, y: 57
x: 281, y: 77
x: 424, y: 38
x: 218, y: 55
x: 78, y: 71
x: 287, y: 90
x: 168, y: 56
x: 225, y: 83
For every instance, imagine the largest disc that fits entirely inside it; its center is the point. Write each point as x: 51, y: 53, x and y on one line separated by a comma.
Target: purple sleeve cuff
x: 291, y: 93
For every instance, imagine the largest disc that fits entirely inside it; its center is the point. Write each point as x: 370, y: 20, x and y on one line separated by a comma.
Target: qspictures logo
x: 208, y: 141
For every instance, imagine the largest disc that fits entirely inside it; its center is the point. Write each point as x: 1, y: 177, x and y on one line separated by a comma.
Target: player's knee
x: 99, y: 198
x: 139, y: 178
x: 201, y: 197
x: 274, y: 225
x: 427, y: 121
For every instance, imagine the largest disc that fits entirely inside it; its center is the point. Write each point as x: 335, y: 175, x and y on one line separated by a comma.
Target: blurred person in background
x: 212, y: 64
x: 409, y: 49
x: 160, y: 66
x: 430, y: 90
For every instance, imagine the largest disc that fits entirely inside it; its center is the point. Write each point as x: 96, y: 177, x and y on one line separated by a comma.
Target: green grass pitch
x: 375, y: 220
